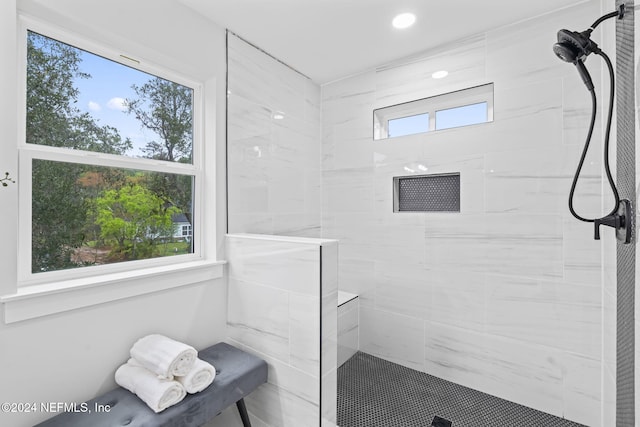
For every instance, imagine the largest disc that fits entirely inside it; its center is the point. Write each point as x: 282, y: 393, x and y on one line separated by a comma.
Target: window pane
x: 461, y: 116
x: 88, y: 215
x: 408, y: 125
x: 82, y: 101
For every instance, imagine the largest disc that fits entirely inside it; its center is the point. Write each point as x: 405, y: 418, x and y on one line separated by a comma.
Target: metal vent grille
x: 427, y: 193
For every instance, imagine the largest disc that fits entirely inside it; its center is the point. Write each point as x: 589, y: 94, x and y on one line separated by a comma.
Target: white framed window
x: 187, y: 231
x: 110, y: 150
x: 450, y: 110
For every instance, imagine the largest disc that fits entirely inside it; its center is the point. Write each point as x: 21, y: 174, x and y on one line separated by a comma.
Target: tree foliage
x: 58, y: 208
x: 165, y: 108
x: 57, y: 211
x: 132, y: 219
x: 76, y: 203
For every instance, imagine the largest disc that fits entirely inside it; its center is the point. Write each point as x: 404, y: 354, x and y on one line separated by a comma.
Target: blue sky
x: 445, y: 119
x: 103, y: 95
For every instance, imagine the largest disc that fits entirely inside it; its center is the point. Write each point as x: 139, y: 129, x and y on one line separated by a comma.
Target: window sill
x: 41, y: 300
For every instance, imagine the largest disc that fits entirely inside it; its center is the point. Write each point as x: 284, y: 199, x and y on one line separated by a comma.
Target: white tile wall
x: 505, y: 296
x: 348, y: 331
x: 273, y: 165
x: 278, y: 288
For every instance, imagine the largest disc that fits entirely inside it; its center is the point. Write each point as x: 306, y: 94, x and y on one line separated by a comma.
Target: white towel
x: 164, y: 356
x: 156, y: 392
x: 199, y: 377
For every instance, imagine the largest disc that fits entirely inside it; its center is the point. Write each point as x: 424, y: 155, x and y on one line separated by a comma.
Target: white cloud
x: 94, y: 106
x: 117, y: 104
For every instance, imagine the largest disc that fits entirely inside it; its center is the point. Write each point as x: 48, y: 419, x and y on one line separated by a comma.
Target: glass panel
x: 79, y: 100
x: 461, y: 116
x: 408, y: 125
x: 88, y: 215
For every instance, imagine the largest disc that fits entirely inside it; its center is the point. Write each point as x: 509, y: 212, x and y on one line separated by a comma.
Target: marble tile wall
x: 506, y: 296
x: 273, y: 164
x: 278, y: 287
x: 348, y: 331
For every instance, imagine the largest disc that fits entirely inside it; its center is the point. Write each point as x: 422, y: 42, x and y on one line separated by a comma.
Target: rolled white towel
x: 164, y: 356
x: 156, y: 392
x: 199, y: 377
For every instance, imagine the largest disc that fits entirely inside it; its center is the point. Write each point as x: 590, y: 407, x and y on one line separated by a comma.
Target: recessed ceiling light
x: 404, y: 20
x: 278, y: 116
x: 440, y: 74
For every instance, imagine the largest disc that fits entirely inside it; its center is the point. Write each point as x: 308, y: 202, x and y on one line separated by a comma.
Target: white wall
x: 506, y: 296
x: 72, y: 356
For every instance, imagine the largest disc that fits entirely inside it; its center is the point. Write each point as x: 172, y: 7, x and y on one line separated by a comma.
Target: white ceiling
x: 330, y: 39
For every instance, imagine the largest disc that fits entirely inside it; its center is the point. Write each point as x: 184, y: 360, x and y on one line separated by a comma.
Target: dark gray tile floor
x: 373, y: 392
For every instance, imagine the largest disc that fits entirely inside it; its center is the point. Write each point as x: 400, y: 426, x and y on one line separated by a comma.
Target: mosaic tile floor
x: 375, y: 393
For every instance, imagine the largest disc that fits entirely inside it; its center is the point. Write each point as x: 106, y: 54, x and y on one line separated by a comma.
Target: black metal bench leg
x: 244, y: 416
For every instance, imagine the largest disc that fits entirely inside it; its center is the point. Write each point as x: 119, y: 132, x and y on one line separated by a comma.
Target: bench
x: 237, y: 374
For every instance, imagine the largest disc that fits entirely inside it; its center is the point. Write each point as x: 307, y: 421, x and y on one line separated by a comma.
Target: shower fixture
x: 574, y: 47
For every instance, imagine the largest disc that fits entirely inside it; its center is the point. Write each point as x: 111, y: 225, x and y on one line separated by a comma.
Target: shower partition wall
x: 273, y: 145
x: 282, y: 307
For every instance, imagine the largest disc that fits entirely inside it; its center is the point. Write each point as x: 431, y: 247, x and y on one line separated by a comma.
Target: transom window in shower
x: 464, y: 107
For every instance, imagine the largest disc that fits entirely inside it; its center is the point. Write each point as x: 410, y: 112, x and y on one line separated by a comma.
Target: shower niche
x: 427, y: 193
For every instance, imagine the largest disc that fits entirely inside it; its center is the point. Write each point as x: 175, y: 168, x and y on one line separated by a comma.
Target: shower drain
x: 440, y: 422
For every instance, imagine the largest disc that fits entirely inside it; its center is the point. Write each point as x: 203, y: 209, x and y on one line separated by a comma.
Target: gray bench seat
x: 237, y: 374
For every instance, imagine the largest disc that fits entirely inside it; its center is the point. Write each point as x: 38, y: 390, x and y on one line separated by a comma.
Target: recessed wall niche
x: 427, y: 193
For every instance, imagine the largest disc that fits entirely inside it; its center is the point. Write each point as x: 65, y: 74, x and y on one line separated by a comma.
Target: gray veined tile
x: 285, y: 376
x: 582, y: 388
x: 582, y: 254
x: 348, y: 330
x: 527, y: 100
x: 329, y: 399
x: 535, y: 37
x: 550, y: 313
x: 304, y: 333
x: 458, y: 298
x: 279, y: 407
x: 298, y: 225
x: 521, y: 245
x: 393, y: 337
x: 411, y: 79
x: 251, y: 223
x: 280, y: 264
x: 258, y: 316
x: 348, y: 190
x: 404, y: 288
x: 255, y: 75
x: 514, y: 370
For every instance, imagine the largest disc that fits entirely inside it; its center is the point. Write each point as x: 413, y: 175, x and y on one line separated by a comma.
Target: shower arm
x: 620, y: 217
x: 618, y: 13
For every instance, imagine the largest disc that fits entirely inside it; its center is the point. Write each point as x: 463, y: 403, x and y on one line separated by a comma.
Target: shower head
x: 573, y: 46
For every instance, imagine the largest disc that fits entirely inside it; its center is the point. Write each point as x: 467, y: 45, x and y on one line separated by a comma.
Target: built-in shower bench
x: 237, y: 374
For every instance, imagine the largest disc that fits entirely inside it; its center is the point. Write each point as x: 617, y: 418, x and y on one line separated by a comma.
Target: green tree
x: 166, y: 108
x: 132, y: 220
x: 58, y: 205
